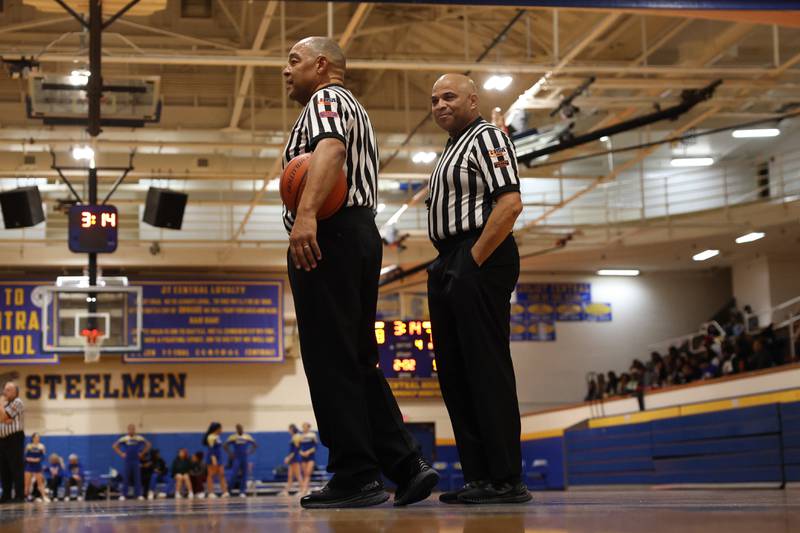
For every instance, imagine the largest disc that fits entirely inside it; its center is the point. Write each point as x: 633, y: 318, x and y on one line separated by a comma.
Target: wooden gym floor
x: 648, y: 511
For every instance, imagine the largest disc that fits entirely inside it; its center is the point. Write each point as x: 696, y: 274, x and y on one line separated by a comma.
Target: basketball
x: 293, y: 181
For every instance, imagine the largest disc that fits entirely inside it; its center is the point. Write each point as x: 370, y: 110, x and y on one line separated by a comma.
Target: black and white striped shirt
x: 477, y: 166
x: 333, y: 112
x: 16, y: 412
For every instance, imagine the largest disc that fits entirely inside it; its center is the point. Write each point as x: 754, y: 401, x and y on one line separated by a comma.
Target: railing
x: 693, y: 340
x: 785, y: 320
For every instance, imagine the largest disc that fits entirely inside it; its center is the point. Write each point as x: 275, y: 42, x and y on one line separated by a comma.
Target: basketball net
x: 92, y: 342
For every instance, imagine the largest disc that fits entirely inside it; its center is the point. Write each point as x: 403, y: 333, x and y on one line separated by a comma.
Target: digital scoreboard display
x: 93, y: 228
x: 406, y: 348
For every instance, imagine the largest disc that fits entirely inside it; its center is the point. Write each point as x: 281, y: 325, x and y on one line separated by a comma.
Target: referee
x: 473, y: 203
x: 334, y: 266
x: 12, y: 444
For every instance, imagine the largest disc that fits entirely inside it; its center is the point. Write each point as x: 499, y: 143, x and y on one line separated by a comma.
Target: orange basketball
x: 293, y: 181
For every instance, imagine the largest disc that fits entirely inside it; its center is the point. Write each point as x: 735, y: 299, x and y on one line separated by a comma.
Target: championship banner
x: 21, y: 325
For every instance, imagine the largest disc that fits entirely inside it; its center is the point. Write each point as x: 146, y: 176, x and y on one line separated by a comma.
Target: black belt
x: 451, y: 243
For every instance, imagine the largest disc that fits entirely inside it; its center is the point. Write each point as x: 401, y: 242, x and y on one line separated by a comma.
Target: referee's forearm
x: 498, y: 226
x: 326, y: 164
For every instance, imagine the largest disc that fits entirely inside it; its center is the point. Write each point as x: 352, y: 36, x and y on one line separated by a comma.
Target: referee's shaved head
x: 313, y: 63
x: 327, y: 48
x: 460, y: 81
x: 454, y: 102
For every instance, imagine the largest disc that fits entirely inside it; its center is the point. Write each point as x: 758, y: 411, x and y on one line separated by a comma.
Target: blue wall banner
x: 597, y: 312
x: 21, y: 325
x: 211, y: 321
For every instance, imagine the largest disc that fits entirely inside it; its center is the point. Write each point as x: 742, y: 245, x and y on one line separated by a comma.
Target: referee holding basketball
x: 334, y: 266
x: 473, y: 203
x: 12, y: 444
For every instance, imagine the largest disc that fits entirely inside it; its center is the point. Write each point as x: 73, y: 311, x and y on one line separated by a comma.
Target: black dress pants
x: 335, y: 303
x: 12, y: 466
x: 470, y: 312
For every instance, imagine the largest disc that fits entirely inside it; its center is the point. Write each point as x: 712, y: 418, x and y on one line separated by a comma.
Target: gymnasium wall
x: 646, y: 309
x: 266, y: 397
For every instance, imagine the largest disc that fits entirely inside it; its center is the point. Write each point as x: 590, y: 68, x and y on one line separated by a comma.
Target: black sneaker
x: 491, y: 493
x: 451, y: 497
x: 424, y: 478
x: 336, y: 498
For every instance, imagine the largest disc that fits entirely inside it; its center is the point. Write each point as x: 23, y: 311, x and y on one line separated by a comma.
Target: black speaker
x: 164, y: 208
x: 22, y: 207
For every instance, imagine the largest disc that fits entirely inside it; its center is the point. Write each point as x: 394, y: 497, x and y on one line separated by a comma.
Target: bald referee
x: 12, y: 444
x: 334, y: 266
x: 473, y: 203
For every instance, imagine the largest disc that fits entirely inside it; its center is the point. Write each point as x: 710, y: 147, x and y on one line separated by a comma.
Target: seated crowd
x: 718, y: 353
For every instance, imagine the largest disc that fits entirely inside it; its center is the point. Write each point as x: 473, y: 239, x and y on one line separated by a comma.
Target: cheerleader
x: 292, y: 460
x: 308, y: 451
x: 34, y: 454
x: 213, y: 441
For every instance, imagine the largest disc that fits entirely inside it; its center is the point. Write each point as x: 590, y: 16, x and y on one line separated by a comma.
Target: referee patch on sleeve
x: 499, y: 157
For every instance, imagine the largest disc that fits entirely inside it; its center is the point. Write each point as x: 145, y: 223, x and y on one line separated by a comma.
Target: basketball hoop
x: 92, y: 343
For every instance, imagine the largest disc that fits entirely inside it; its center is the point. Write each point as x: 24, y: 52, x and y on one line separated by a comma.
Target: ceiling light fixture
x: 756, y: 133
x: 79, y: 77
x: 618, y: 272
x: 83, y: 153
x: 423, y: 157
x: 692, y: 161
x: 750, y: 237
x: 706, y: 254
x: 497, y: 83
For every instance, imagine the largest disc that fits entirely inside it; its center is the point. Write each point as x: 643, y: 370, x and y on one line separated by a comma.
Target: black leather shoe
x: 451, y: 497
x: 338, y: 497
x: 492, y: 493
x: 423, y: 479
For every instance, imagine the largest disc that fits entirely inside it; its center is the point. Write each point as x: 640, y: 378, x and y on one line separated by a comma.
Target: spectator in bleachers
x: 601, y: 386
x: 612, y: 384
x: 591, y: 390
x: 35, y: 453
x: 197, y: 474
x: 75, y: 472
x: 157, y: 474
x: 181, y: 468
x: 55, y: 474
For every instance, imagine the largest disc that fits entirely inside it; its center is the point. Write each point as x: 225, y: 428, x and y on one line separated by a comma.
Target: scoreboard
x: 405, y: 348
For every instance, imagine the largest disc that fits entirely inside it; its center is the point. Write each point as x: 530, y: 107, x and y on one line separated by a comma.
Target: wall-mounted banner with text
x: 211, y: 321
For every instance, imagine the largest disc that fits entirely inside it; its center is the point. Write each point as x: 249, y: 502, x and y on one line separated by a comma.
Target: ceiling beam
x: 249, y: 58
x: 662, y: 40
x: 597, y: 31
x: 353, y: 25
x: 247, y: 76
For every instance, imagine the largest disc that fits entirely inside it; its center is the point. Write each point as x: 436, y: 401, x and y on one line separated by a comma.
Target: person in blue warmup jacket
x: 238, y: 447
x: 131, y: 447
